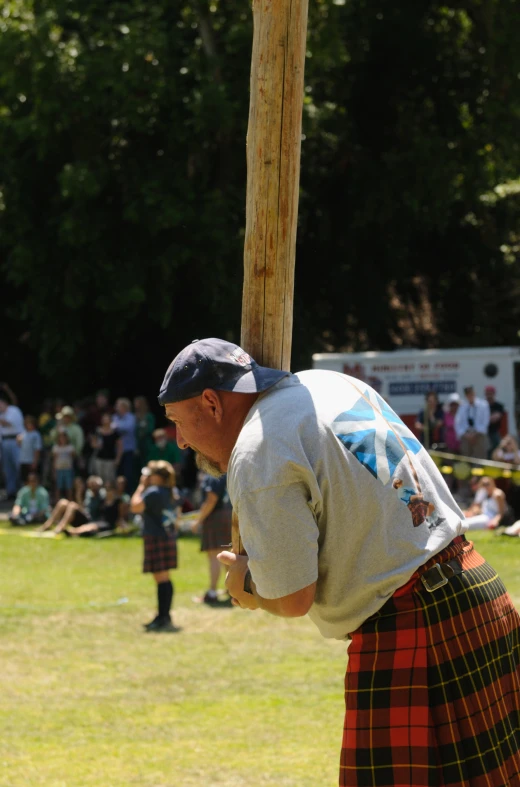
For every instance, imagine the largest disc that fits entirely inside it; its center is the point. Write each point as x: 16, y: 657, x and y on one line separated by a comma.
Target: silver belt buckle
x: 443, y: 580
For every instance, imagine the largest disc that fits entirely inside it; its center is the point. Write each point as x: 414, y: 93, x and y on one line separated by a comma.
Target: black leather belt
x: 9, y: 437
x: 439, y: 574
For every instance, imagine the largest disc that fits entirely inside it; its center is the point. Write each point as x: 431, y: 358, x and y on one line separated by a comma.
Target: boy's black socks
x: 164, y: 598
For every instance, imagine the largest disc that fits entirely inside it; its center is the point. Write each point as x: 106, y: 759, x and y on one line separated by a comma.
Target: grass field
x: 235, y: 698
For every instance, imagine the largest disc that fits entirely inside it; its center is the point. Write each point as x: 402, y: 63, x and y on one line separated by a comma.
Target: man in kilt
x: 432, y: 688
x: 156, y: 499
x: 214, y: 524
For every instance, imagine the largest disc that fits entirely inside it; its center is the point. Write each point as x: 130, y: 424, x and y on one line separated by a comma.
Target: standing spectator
x: 450, y: 435
x: 46, y: 426
x: 63, y: 455
x: 165, y: 449
x: 144, y: 425
x: 154, y: 499
x: 11, y: 425
x: 31, y: 504
x: 496, y: 414
x: 471, y: 425
x: 102, y: 404
x: 430, y: 421
x: 94, y: 411
x: 67, y: 422
x: 215, y: 522
x: 124, y: 422
x: 10, y: 395
x: 30, y: 448
x: 108, y: 447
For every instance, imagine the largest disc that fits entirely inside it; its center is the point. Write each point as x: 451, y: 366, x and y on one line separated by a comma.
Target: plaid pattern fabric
x: 160, y: 554
x: 433, y: 685
x: 216, y: 529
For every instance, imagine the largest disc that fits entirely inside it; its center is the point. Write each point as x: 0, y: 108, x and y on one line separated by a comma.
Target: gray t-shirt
x: 330, y: 485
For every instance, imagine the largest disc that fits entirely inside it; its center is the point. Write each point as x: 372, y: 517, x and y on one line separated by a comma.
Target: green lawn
x: 235, y: 698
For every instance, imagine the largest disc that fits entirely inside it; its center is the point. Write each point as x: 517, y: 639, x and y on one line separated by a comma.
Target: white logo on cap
x: 240, y: 356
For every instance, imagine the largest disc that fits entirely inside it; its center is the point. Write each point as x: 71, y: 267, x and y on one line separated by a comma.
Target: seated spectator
x: 430, y: 421
x: 70, y: 512
x: 507, y: 451
x: 31, y: 504
x: 108, y: 447
x: 512, y: 530
x: 110, y: 513
x: 450, y: 435
x: 124, y: 498
x: 30, y: 448
x: 488, y: 507
x: 79, y: 490
x: 63, y: 454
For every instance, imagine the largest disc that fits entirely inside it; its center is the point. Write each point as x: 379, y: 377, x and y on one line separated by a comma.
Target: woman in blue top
x: 156, y: 499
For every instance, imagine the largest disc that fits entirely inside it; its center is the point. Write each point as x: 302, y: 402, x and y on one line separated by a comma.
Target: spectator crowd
x: 64, y: 443
x: 85, y: 470
x: 469, y: 426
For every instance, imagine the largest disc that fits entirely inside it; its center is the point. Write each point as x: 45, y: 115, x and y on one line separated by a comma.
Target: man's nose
x: 181, y: 442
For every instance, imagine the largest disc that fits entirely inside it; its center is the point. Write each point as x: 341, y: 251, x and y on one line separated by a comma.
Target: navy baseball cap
x: 214, y: 363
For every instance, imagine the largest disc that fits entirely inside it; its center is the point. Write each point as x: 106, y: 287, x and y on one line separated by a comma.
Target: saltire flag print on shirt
x: 375, y: 435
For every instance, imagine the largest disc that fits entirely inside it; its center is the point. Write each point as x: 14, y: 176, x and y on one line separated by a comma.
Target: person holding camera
x: 471, y: 425
x: 157, y: 500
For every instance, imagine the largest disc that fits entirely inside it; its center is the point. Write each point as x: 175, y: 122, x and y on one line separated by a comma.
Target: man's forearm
x: 293, y: 606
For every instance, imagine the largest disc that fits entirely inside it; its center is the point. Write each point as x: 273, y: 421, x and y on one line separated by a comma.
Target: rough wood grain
x: 273, y: 175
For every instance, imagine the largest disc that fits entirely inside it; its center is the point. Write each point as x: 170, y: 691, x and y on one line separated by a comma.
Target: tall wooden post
x: 273, y: 176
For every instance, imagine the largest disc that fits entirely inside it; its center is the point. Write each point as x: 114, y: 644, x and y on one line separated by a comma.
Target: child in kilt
x: 157, y: 501
x: 214, y: 523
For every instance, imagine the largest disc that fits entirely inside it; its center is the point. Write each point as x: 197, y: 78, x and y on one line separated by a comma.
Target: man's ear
x: 212, y: 402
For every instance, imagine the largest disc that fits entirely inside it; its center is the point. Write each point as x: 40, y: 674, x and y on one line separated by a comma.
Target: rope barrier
x: 463, y: 467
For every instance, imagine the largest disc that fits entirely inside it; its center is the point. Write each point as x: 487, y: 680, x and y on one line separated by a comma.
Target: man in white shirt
x: 11, y: 425
x: 471, y: 425
x: 346, y: 518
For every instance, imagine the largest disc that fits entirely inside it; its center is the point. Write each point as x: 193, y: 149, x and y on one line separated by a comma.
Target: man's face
x: 198, y: 429
x: 3, y: 406
x: 470, y: 396
x: 490, y: 396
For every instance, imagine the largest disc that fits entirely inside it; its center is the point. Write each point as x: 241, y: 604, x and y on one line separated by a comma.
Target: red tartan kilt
x: 216, y: 530
x: 160, y: 554
x: 432, y: 687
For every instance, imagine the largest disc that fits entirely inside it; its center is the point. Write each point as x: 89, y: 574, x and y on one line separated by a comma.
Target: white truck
x: 404, y: 377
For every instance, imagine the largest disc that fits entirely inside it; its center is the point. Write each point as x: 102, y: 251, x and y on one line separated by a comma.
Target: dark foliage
x: 122, y: 182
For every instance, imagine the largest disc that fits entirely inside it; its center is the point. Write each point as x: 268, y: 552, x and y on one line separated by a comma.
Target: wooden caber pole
x: 273, y: 176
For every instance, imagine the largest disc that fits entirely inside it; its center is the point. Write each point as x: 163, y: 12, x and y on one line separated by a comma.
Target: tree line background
x: 122, y: 182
